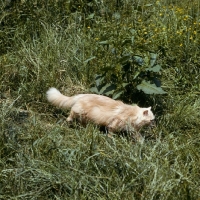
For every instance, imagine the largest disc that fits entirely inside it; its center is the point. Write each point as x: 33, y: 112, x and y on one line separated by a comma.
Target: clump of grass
x: 56, y: 161
x: 42, y: 157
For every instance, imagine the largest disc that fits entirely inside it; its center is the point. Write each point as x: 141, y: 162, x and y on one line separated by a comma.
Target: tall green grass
x: 64, y: 44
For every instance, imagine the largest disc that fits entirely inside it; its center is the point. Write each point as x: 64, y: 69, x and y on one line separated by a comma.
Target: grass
x: 41, y: 157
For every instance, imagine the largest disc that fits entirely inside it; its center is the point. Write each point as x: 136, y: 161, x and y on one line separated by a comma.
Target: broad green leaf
x: 117, y: 95
x: 156, y: 68
x: 124, y: 84
x: 94, y: 90
x: 108, y: 89
x: 148, y: 88
x: 139, y: 60
x: 153, y: 57
x: 91, y: 16
x: 136, y: 75
x: 99, y: 79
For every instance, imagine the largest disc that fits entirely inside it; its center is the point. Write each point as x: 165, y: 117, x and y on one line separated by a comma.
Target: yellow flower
x: 179, y: 32
x: 185, y: 17
x: 157, y: 2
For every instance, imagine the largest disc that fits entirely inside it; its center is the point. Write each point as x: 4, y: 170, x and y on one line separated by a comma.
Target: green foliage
x: 150, y: 88
x: 132, y: 70
x: 53, y: 160
x: 122, y: 49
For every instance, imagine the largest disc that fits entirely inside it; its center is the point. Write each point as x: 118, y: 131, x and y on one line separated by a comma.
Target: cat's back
x: 97, y: 100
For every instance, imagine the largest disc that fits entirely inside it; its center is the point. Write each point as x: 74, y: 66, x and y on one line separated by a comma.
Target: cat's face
x: 145, y: 117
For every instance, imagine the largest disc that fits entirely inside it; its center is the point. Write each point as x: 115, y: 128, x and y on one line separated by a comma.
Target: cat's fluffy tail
x: 58, y: 99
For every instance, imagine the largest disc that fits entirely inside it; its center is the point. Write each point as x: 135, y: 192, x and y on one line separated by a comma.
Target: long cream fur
x: 102, y: 110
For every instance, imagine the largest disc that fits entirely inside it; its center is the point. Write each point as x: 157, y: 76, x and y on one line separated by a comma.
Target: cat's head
x: 144, y: 117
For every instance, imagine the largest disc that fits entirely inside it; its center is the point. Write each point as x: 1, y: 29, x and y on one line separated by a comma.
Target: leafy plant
x: 133, y: 69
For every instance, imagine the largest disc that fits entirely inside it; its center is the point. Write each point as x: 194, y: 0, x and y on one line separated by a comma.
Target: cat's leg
x: 81, y: 117
x: 71, y: 116
x: 138, y: 137
x: 115, y: 125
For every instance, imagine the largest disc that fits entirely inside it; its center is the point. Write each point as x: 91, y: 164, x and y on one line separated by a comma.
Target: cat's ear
x: 149, y: 108
x: 145, y: 113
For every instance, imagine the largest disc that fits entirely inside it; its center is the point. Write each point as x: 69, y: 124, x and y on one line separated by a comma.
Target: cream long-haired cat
x: 102, y: 110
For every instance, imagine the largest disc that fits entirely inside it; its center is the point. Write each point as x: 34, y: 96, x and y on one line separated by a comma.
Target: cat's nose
x: 152, y: 123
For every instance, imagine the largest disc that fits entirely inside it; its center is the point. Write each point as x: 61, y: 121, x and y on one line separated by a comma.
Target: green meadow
x: 141, y: 52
